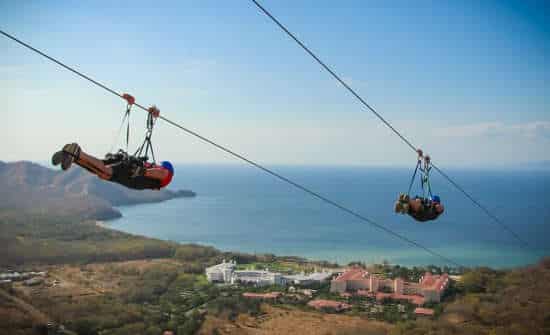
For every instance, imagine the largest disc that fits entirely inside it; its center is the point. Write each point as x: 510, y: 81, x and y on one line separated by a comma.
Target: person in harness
x: 132, y: 171
x: 119, y: 168
x: 425, y: 208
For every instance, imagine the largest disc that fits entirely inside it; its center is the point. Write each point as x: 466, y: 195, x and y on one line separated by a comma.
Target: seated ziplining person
x: 119, y: 168
x: 421, y: 208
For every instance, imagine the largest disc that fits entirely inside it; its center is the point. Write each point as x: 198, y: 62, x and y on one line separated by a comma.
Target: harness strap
x: 127, y: 116
x: 413, y: 177
x: 147, y: 144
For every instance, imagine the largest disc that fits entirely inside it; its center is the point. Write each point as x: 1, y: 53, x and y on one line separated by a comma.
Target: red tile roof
x: 320, y: 303
x: 424, y: 311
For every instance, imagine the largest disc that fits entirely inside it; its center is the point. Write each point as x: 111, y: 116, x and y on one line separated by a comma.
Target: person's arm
x: 156, y: 173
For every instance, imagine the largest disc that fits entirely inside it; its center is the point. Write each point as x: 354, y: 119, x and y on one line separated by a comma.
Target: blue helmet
x: 436, y: 198
x: 168, y: 166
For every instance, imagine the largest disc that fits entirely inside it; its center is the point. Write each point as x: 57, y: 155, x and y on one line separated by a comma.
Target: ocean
x: 239, y: 208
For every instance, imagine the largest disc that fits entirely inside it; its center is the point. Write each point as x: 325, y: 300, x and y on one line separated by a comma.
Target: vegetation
x: 57, y: 241
x: 493, y: 302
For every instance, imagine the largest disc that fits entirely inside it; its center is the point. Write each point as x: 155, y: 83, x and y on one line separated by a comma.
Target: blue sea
x: 239, y: 208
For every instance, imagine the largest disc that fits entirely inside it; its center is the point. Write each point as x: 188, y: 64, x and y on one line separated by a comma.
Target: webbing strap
x: 127, y: 116
x: 425, y: 180
x: 413, y: 177
x: 147, y: 144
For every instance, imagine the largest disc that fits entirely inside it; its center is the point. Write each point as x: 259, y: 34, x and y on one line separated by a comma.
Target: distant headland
x: 31, y: 188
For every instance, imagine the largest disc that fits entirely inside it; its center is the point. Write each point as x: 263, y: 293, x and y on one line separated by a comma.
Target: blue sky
x: 467, y: 81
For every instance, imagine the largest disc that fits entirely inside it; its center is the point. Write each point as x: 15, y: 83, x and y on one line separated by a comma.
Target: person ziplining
x: 422, y: 208
x: 133, y: 171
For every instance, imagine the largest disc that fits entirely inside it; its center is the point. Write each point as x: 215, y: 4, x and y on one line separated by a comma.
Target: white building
x: 221, y: 272
x: 258, y: 277
x: 226, y: 273
x: 312, y: 278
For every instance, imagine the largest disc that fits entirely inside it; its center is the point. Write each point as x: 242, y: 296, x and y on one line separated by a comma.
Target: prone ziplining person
x: 119, y: 168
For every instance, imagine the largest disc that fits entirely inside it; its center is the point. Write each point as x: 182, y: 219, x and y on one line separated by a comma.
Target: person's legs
x: 94, y: 165
x: 73, y: 153
x: 415, y: 204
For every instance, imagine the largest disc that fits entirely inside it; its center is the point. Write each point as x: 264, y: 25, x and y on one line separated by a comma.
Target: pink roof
x: 424, y: 311
x: 438, y: 283
x: 320, y: 303
x: 352, y: 274
x: 415, y: 299
x: 270, y: 295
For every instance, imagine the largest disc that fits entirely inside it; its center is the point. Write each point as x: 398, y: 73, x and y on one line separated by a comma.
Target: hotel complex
x: 355, y: 280
x: 428, y: 289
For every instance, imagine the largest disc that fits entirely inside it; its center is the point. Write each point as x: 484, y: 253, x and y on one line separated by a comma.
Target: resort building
x: 309, y: 279
x: 428, y: 289
x: 433, y: 286
x: 226, y: 273
x: 257, y: 278
x: 221, y: 273
x: 352, y: 280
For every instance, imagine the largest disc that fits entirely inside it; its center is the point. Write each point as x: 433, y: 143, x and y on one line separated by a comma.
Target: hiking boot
x: 405, y: 208
x: 57, y: 158
x: 72, y: 149
x: 404, y: 197
x: 70, y: 152
x: 398, y: 207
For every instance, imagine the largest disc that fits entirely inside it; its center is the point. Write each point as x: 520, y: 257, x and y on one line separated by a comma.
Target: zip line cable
x: 249, y: 161
x: 381, y: 118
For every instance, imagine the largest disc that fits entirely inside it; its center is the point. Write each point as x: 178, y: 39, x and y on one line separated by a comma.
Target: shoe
x: 398, y: 207
x: 70, y: 153
x: 72, y: 149
x: 57, y: 158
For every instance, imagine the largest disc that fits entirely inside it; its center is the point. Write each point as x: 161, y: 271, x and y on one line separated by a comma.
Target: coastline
x: 166, y: 196
x: 136, y: 221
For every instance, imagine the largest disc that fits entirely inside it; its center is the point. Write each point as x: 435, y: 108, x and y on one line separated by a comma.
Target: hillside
x: 29, y: 187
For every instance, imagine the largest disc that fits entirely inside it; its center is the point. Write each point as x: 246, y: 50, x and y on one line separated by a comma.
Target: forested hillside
x: 486, y: 301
